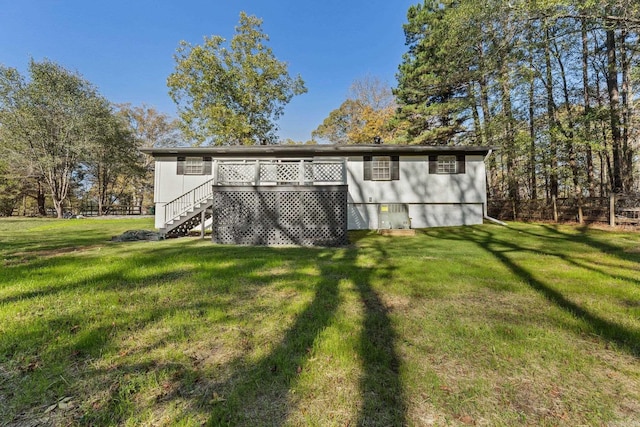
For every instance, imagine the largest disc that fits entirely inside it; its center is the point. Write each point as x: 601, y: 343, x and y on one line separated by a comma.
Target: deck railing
x: 274, y: 172
x: 259, y: 173
x: 188, y: 200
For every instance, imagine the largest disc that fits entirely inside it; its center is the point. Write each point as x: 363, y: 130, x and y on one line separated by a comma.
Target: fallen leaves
x: 63, y: 404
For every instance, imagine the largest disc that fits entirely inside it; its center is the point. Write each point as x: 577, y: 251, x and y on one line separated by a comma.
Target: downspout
x: 486, y: 213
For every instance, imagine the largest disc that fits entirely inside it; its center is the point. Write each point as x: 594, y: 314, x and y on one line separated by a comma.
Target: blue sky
x: 126, y: 48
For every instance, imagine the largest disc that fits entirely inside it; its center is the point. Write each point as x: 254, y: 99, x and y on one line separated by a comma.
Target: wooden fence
x: 617, y: 209
x: 89, y: 210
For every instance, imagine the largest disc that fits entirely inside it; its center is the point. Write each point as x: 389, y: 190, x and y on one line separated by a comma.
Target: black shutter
x: 395, y: 168
x: 433, y: 164
x: 367, y: 168
x: 180, y: 170
x: 207, y: 165
x: 461, y: 166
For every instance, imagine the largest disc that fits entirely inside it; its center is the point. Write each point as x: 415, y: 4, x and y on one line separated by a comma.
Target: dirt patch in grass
x: 18, y: 258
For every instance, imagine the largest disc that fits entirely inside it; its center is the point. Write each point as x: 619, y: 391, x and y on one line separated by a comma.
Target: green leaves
x: 365, y: 115
x: 57, y: 128
x: 435, y: 73
x: 232, y: 93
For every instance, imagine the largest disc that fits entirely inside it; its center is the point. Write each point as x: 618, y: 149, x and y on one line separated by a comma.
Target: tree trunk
x: 509, y: 142
x: 570, y: 135
x: 627, y: 155
x: 551, y: 116
x: 40, y: 199
x: 570, y: 132
x: 587, y: 109
x: 479, y: 134
x: 57, y: 204
x: 484, y: 97
x: 614, y: 110
x: 532, y: 130
x: 605, y: 159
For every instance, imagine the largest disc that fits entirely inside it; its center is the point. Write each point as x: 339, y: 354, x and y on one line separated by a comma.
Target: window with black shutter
x: 180, y: 170
x: 194, y: 166
x: 447, y: 164
x: 381, y: 168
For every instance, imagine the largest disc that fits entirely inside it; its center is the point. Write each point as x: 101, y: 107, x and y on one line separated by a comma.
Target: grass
x: 485, y: 325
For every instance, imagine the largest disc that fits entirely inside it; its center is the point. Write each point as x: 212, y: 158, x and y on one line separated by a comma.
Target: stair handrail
x: 182, y: 204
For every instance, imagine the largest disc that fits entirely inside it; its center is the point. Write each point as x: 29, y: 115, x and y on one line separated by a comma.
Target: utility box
x: 393, y: 216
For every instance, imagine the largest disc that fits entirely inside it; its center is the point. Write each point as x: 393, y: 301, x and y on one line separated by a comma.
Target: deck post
x: 202, y: 219
x: 612, y: 210
x: 256, y: 176
x: 344, y: 171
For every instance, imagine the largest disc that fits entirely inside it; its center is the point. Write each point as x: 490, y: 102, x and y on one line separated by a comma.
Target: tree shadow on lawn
x: 627, y: 339
x: 256, y: 393
x: 586, y: 236
x: 557, y: 237
x: 47, y: 282
x: 384, y: 402
x: 43, y: 351
x: 259, y: 394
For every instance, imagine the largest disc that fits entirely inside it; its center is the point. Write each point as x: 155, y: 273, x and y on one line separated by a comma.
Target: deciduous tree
x: 232, y: 93
x: 149, y: 128
x: 113, y: 162
x: 365, y: 115
x: 47, y: 122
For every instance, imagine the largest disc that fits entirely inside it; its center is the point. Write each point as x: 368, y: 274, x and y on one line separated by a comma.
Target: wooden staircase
x: 188, y: 211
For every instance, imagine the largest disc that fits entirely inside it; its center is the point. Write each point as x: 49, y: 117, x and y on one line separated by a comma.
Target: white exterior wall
x: 364, y: 216
x: 434, y: 200
x: 169, y: 185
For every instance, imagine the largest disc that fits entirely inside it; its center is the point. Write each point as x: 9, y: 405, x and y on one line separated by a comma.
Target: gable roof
x: 321, y: 150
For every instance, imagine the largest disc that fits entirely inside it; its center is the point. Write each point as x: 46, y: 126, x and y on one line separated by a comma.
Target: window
x: 381, y: 168
x: 194, y: 166
x: 447, y: 164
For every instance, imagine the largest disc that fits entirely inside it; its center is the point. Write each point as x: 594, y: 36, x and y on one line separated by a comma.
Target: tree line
x: 60, y: 140
x: 553, y: 85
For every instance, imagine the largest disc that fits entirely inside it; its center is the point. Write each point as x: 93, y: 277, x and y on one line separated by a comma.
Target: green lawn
x: 486, y: 325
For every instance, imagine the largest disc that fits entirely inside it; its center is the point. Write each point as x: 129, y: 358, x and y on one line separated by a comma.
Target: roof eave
x: 313, y: 150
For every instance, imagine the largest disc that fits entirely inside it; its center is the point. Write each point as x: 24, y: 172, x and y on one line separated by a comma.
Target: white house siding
x: 433, y: 200
x: 364, y: 216
x: 169, y: 185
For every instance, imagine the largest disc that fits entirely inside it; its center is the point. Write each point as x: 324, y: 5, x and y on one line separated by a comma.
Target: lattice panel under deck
x: 280, y: 216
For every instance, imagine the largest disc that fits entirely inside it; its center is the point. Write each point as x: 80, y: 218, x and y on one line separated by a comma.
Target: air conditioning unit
x: 393, y: 216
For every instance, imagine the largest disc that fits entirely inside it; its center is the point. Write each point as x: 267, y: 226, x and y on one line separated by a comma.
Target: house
x: 313, y: 194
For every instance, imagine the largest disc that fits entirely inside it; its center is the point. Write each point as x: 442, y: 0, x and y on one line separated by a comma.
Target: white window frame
x: 447, y: 165
x: 194, y: 166
x: 381, y: 168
